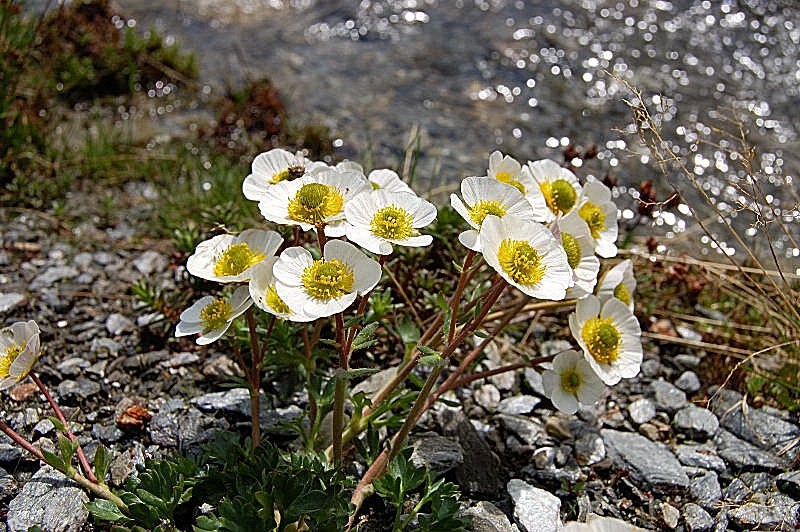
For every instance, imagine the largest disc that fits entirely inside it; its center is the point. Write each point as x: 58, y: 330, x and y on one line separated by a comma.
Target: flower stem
x: 338, y: 398
x: 456, y: 299
x: 87, y: 469
x: 255, y: 380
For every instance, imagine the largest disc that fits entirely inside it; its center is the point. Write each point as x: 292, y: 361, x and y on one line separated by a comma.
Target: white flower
x: 211, y: 316
x: 556, y: 192
x: 571, y: 382
x: 326, y: 286
x: 527, y: 256
x: 508, y: 170
x: 484, y: 196
x: 19, y: 351
x: 618, y: 282
x: 609, y: 336
x: 579, y: 246
x: 314, y: 200
x: 378, y: 219
x: 272, y: 167
x: 265, y: 295
x: 600, y: 213
x: 228, y: 258
x: 388, y: 180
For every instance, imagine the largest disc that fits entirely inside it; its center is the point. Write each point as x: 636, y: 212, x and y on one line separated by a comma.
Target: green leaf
x: 54, y: 460
x: 57, y: 424
x: 308, y: 503
x: 431, y: 357
x: 425, y: 350
x: 365, y: 337
x: 67, y: 449
x: 355, y: 373
x: 105, y: 511
x: 102, y: 462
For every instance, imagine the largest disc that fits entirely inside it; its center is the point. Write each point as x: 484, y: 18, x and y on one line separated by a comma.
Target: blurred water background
x: 530, y: 78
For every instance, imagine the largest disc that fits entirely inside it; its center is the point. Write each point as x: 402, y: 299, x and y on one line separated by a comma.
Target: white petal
x: 212, y: 336
x: 185, y: 328
x: 415, y: 241
x: 564, y: 401
x: 587, y: 308
x: 330, y: 307
x: 461, y: 209
x: 368, y: 241
x: 470, y: 240
x: 291, y: 264
x: 192, y: 314
x: 254, y: 187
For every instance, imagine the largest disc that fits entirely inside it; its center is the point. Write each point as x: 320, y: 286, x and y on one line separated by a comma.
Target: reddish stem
x: 87, y: 469
x: 22, y: 442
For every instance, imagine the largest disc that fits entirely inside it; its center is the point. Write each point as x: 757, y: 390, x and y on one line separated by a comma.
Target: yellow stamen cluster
x: 621, y: 292
x: 375, y: 186
x: 392, y: 223
x: 520, y: 261
x: 8, y: 358
x: 602, y: 339
x: 571, y: 381
x: 594, y: 217
x: 274, y: 301
x: 288, y: 174
x: 484, y: 208
x: 560, y: 195
x: 236, y: 259
x: 314, y: 203
x: 572, y: 248
x: 328, y: 279
x: 508, y: 179
x: 215, y: 315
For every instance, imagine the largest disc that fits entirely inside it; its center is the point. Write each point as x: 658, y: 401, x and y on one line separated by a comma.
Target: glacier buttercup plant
x: 19, y: 351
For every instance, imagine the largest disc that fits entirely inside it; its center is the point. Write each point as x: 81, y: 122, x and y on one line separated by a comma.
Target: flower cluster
x: 542, y: 231
x: 376, y: 212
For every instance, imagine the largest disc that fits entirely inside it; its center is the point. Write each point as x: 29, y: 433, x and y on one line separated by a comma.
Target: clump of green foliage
x: 242, y: 488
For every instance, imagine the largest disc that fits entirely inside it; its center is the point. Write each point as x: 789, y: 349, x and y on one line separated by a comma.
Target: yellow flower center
x: 572, y: 248
x: 236, y: 259
x: 484, y: 208
x: 392, y: 223
x: 375, y: 186
x: 314, y: 203
x: 288, y: 174
x: 520, y: 261
x: 602, y: 339
x: 328, y: 279
x: 215, y: 315
x: 594, y: 217
x: 509, y: 179
x: 621, y: 292
x: 571, y: 381
x: 274, y: 301
x: 560, y: 195
x: 8, y: 358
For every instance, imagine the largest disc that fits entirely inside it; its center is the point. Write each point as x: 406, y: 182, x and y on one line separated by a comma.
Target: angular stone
x: 589, y: 449
x: 233, y: 401
x: 704, y: 487
x: 651, y: 463
x: 488, y: 396
x: 669, y: 515
x: 78, y: 389
x: 689, y: 382
x: 9, y: 453
x: 174, y: 429
x: 7, y: 484
x: 486, y: 517
x: 10, y: 301
x: 667, y: 396
x: 743, y: 456
x: 736, y: 491
x: 641, y: 411
x: 124, y: 464
x: 696, y: 519
x: 520, y: 404
x: 149, y: 262
x: 779, y: 513
x: 700, y: 456
x: 755, y: 425
x: 534, y: 380
x: 529, y: 431
x: 696, y: 423
x: 53, y: 275
x: 789, y: 483
x: 117, y: 324
x: 50, y: 501
x: 536, y: 509
x: 437, y: 453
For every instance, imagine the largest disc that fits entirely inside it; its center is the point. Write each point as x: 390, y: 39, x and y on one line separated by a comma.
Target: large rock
x: 744, y: 456
x: 696, y: 519
x: 705, y: 488
x: 704, y: 456
x: 536, y: 510
x: 651, y: 463
x: 755, y: 425
x: 50, y: 501
x: 667, y: 396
